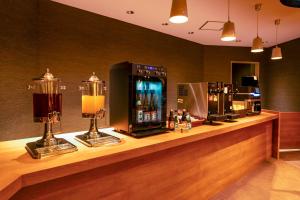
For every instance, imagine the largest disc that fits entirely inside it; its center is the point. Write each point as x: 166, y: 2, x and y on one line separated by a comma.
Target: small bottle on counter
x: 184, y: 119
x: 189, y: 121
x: 171, y: 121
x: 176, y: 119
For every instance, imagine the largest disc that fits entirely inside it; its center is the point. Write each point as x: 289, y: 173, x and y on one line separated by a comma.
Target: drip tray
x: 216, y: 117
x: 103, y: 140
x: 62, y: 147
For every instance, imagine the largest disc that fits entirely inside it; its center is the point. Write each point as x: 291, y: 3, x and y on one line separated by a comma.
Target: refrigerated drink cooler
x: 93, y: 108
x: 138, y: 96
x: 47, y: 109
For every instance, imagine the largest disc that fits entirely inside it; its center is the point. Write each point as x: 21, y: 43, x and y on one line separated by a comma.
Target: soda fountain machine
x: 229, y: 94
x: 216, y: 110
x: 93, y: 108
x: 47, y: 109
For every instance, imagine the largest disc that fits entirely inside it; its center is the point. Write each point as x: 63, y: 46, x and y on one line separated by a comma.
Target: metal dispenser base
x: 38, y: 152
x: 94, y: 138
x: 49, y: 145
x: 102, y: 140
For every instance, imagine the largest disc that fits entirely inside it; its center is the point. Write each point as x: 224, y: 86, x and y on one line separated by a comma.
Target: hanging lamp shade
x: 276, y: 53
x: 179, y: 12
x: 228, y: 33
x: 257, y: 45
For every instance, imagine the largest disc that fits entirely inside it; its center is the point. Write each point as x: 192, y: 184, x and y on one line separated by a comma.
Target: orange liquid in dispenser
x: 92, y: 104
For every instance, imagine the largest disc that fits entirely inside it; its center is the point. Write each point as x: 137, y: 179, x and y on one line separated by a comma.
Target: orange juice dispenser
x: 93, y: 108
x: 47, y: 109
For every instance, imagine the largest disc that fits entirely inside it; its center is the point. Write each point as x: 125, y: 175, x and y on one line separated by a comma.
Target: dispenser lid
x: 94, y: 78
x: 48, y: 76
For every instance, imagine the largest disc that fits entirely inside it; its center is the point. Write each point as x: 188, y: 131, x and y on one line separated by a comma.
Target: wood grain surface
x: 289, y: 130
x: 24, y: 171
x: 191, y: 171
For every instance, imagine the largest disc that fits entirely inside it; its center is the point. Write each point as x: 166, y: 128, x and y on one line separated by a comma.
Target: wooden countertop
x: 19, y: 170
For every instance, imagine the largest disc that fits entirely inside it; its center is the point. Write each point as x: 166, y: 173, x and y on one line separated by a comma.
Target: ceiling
x: 151, y: 14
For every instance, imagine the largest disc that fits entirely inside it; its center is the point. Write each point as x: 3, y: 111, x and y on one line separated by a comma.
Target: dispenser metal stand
x: 93, y: 89
x: 95, y: 138
x: 49, y: 145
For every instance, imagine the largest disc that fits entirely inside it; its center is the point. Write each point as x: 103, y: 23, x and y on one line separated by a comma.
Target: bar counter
x: 171, y: 165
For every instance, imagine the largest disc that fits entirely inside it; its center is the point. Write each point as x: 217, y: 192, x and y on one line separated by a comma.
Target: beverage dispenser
x: 229, y: 94
x: 93, y: 108
x: 138, y: 96
x: 47, y: 109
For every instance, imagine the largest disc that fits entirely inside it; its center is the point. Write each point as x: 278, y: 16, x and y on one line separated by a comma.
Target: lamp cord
x: 277, y: 22
x: 276, y: 34
x: 257, y: 24
x: 228, y: 10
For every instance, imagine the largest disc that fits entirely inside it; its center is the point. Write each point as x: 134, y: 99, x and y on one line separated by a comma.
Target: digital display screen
x: 151, y: 68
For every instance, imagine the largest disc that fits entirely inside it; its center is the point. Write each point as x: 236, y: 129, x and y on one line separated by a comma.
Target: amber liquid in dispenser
x: 92, y: 104
x: 43, y: 104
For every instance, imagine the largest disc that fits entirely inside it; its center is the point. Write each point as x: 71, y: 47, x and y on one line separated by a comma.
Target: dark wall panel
x: 217, y: 61
x: 281, y: 84
x: 18, y: 64
x: 74, y: 43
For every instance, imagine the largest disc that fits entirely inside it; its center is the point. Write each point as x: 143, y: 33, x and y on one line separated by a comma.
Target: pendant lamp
x: 257, y: 44
x: 228, y: 33
x: 179, y: 12
x: 276, y: 51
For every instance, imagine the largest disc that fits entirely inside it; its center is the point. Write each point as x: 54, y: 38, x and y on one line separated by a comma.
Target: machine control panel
x: 148, y: 70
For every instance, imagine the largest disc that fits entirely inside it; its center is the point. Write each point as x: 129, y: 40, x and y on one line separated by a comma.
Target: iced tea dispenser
x: 47, y: 109
x: 93, y: 108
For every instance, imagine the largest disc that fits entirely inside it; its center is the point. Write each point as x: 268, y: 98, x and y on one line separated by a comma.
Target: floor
x: 274, y: 180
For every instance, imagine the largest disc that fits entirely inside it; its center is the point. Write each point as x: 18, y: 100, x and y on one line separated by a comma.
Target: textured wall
x: 18, y: 64
x: 217, y: 61
x: 74, y: 43
x: 281, y: 79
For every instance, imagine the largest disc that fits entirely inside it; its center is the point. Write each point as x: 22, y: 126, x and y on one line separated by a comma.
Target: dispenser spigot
x: 53, y: 117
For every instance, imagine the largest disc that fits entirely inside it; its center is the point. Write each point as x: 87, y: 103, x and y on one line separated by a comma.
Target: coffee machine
x: 93, y: 108
x: 211, y: 101
x: 138, y: 96
x: 47, y: 109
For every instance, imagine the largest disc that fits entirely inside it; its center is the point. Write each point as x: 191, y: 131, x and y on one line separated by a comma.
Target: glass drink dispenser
x: 47, y: 109
x: 93, y: 108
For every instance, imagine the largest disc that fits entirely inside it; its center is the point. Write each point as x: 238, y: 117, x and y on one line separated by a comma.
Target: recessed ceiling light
x: 190, y: 32
x: 130, y: 12
x: 165, y: 24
